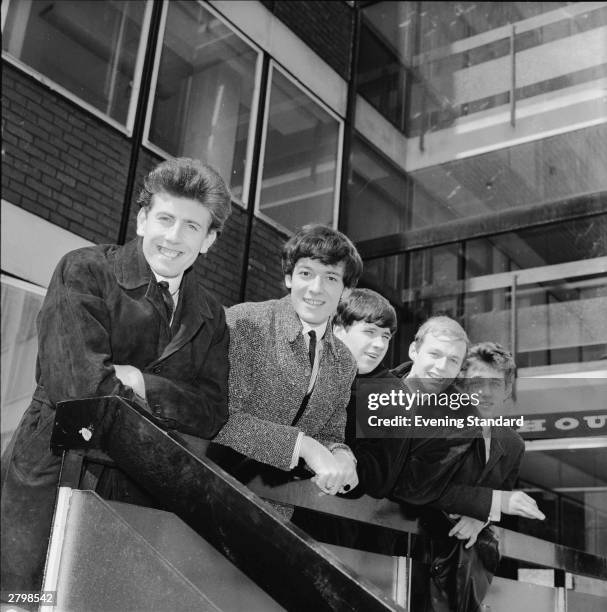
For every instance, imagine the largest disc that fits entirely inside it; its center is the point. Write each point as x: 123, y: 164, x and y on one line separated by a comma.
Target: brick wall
x: 59, y: 162
x: 264, y: 275
x: 326, y: 27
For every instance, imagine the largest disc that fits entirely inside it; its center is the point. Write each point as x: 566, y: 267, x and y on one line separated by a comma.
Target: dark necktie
x: 166, y: 298
x: 311, y: 357
x: 312, y: 347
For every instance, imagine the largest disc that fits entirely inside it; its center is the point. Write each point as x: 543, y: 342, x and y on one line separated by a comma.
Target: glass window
x: 569, y: 485
x: 547, y: 170
x: 90, y: 48
x: 377, y: 195
x: 203, y: 102
x: 20, y: 305
x: 455, y: 59
x: 300, y: 170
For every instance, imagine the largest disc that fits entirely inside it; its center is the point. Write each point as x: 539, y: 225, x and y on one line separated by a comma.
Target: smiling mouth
x: 169, y: 253
x: 311, y: 302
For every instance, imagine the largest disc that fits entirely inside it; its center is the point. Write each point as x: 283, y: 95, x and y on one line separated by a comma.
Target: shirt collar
x: 291, y: 326
x: 319, y: 329
x: 174, y: 283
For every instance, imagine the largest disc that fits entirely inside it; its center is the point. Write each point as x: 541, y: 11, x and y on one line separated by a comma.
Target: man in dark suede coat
x: 133, y: 321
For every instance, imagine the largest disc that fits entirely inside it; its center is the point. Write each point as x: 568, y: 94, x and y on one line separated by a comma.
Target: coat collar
x: 289, y: 324
x: 130, y: 266
x: 133, y: 271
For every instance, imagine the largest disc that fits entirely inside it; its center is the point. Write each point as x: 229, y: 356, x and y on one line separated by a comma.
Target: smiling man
x: 289, y: 376
x: 133, y: 321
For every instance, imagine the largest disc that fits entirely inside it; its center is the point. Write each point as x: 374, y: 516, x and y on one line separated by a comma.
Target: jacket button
x: 307, y: 371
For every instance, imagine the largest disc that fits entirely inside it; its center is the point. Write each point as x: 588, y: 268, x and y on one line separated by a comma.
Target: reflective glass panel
x: 20, y: 307
x: 89, y: 47
x: 377, y: 195
x: 533, y: 173
x: 299, y: 174
x: 204, y: 92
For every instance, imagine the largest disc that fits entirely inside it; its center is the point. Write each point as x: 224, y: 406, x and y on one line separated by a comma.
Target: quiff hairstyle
x: 365, y: 305
x: 441, y: 325
x: 495, y: 356
x: 183, y: 177
x: 326, y: 245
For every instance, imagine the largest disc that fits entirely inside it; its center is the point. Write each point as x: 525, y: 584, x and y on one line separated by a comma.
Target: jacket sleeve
x: 332, y: 434
x: 74, y: 354
x: 475, y: 500
x: 199, y: 407
x: 379, y: 463
x: 246, y: 431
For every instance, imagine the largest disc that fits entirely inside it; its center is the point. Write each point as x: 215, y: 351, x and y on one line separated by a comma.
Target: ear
x: 339, y: 331
x: 208, y: 242
x: 412, y: 351
x: 288, y: 280
x: 345, y: 293
x: 141, y: 219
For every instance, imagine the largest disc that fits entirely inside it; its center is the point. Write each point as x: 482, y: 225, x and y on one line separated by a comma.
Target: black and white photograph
x: 304, y: 306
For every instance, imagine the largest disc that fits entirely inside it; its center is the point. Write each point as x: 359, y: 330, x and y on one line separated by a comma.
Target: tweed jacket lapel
x: 292, y: 354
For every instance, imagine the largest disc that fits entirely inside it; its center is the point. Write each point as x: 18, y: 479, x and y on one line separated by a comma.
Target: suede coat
x: 103, y: 307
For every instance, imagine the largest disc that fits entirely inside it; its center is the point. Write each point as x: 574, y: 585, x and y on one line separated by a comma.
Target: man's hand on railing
x: 131, y: 377
x: 330, y: 474
x: 521, y: 504
x: 346, y: 461
x: 467, y: 528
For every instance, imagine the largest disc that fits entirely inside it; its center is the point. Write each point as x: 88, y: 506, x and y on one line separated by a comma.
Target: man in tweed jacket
x: 285, y: 404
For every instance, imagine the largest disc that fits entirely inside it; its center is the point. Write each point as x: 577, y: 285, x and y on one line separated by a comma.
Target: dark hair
x: 365, y: 305
x: 495, y: 356
x: 328, y: 246
x: 189, y: 178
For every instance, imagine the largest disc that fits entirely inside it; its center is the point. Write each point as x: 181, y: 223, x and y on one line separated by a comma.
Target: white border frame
x: 338, y: 159
x: 126, y: 128
x: 146, y: 142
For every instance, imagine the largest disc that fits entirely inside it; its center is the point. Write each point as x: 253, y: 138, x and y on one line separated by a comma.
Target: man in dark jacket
x: 419, y: 470
x: 457, y: 581
x: 133, y: 321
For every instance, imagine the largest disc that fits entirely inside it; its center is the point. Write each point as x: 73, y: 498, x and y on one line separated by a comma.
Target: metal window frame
x: 127, y: 127
x: 274, y: 65
x: 146, y: 142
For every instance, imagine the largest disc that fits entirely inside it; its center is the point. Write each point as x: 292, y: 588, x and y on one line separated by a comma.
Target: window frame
x: 146, y: 142
x: 274, y: 65
x: 125, y: 128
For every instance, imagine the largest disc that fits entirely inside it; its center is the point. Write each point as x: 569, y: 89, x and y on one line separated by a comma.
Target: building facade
x: 461, y: 145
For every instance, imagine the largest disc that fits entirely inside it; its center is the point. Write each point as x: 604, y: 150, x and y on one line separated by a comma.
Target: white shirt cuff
x: 495, y: 513
x: 295, y: 457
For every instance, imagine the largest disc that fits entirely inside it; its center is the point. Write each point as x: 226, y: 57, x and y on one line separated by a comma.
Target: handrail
x: 282, y: 559
x: 385, y: 513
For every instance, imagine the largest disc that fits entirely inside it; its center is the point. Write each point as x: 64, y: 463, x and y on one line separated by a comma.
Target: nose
x: 441, y: 364
x: 379, y: 343
x: 315, y: 284
x: 173, y: 233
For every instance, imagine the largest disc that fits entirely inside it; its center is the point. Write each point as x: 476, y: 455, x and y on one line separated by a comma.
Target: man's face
x: 436, y: 362
x: 315, y: 289
x: 367, y: 342
x: 174, y: 231
x: 490, y: 385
